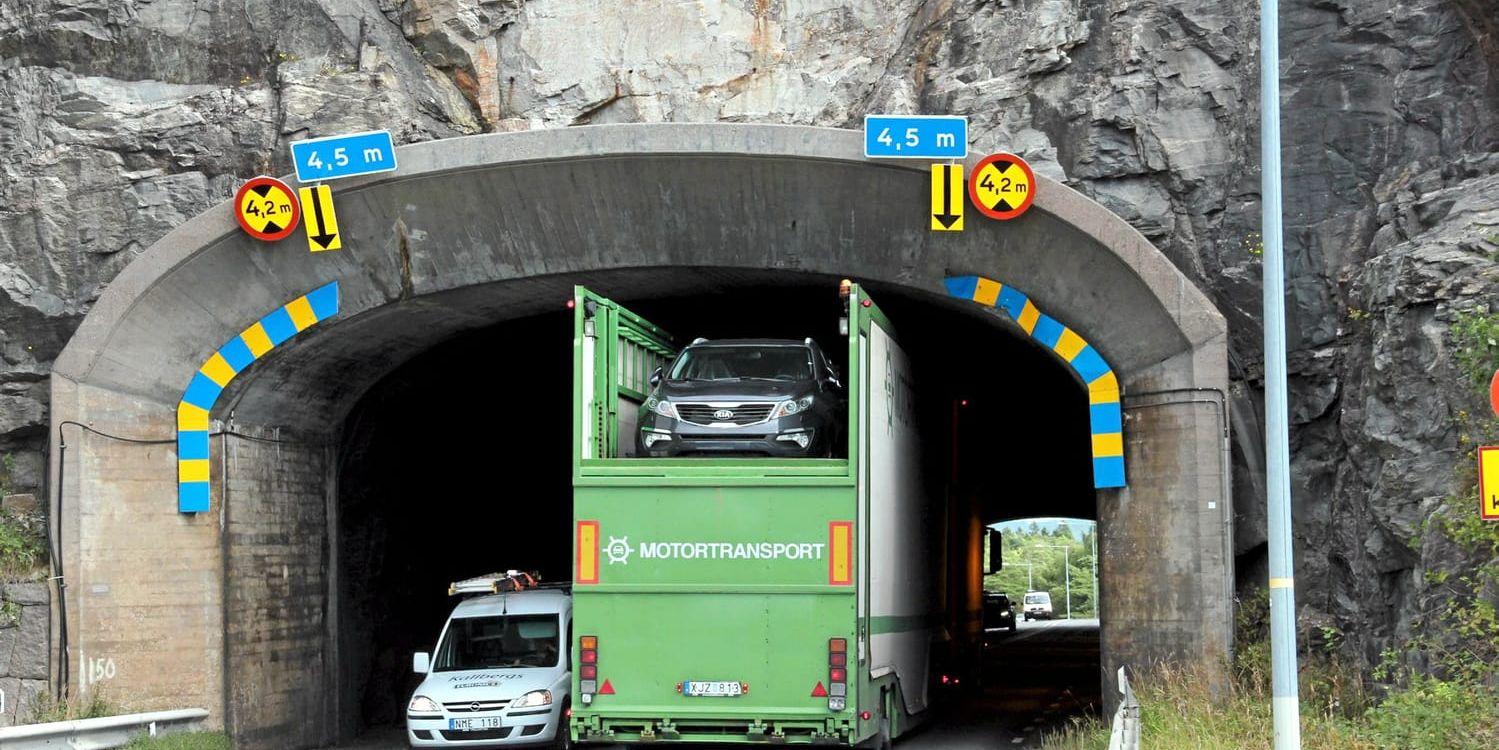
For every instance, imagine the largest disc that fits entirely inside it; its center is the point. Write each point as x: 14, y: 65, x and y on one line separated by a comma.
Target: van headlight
x: 791, y: 406
x: 533, y: 699
x: 421, y: 704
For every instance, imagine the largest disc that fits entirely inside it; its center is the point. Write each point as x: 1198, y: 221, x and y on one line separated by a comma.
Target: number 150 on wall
x: 915, y: 137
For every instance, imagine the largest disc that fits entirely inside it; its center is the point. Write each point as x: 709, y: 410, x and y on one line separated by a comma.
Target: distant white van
x: 501, y: 673
x: 1037, y: 605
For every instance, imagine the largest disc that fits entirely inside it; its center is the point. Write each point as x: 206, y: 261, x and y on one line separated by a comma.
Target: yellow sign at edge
x: 1488, y: 482
x: 947, y: 198
x: 319, y: 219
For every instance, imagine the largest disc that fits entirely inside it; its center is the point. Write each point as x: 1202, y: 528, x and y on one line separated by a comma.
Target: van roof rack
x: 497, y: 583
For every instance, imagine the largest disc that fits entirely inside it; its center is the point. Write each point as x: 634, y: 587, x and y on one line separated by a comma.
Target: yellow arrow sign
x: 321, y: 222
x: 947, y: 198
x: 1488, y: 483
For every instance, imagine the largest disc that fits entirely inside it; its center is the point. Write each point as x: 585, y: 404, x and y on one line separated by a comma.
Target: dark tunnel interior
x: 457, y: 463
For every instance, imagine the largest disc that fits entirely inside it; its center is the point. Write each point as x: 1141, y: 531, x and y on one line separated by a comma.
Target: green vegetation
x: 189, y: 741
x: 1437, y: 691
x: 45, y: 708
x: 23, y: 545
x: 1340, y: 709
x: 1034, y: 556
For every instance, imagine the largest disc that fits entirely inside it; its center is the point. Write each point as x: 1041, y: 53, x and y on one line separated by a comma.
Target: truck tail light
x: 588, y: 673
x: 837, y: 691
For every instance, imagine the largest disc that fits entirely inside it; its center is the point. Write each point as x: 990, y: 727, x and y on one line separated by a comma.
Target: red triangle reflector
x: 606, y: 689
x: 819, y: 691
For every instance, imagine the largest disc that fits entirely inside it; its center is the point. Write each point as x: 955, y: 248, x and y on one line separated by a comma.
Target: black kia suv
x: 744, y: 397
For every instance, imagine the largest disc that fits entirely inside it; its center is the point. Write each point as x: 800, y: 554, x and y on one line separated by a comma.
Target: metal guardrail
x: 1126, y: 733
x: 100, y: 734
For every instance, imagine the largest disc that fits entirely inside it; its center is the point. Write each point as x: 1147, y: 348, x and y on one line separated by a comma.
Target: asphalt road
x: 1036, y: 678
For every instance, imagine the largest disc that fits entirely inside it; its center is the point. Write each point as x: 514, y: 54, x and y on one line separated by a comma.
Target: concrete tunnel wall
x: 230, y: 609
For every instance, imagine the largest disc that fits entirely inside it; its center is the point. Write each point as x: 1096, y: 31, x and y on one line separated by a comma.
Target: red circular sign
x: 1002, y: 186
x: 1494, y: 393
x: 267, y: 209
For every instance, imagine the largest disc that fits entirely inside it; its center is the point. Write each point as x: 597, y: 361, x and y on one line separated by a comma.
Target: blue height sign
x: 319, y: 159
x: 915, y: 137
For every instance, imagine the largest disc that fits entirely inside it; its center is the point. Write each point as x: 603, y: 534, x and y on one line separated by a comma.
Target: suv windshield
x: 736, y: 362
x: 498, y: 642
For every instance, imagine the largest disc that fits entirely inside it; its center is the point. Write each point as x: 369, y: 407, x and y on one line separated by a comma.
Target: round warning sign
x: 267, y: 208
x: 1002, y: 186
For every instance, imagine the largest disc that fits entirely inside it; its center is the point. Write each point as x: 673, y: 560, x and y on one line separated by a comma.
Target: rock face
x: 130, y: 116
x: 25, y: 623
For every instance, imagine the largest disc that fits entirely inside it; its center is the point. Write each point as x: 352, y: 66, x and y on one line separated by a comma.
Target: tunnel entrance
x: 240, y: 495
x: 428, y: 494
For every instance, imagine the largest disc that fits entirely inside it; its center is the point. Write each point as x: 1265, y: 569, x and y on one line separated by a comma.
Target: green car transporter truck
x: 743, y: 600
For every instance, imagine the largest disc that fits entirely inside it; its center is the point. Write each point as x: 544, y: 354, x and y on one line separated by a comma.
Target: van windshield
x: 1038, y: 599
x: 498, y: 642
x: 735, y: 362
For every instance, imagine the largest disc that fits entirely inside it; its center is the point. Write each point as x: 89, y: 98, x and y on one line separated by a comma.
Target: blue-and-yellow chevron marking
x: 1105, y: 417
x: 210, y: 380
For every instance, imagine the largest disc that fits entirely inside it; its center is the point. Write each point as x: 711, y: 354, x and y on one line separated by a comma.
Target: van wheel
x: 564, y: 738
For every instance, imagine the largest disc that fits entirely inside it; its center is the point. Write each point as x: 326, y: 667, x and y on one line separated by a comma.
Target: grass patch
x: 187, y: 741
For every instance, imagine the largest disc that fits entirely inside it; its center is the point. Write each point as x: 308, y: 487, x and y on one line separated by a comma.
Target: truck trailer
x: 737, y: 600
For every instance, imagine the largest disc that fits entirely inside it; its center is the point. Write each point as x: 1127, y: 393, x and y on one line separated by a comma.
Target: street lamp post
x: 1285, y: 709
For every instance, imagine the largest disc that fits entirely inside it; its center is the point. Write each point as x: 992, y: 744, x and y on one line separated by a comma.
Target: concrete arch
x: 476, y: 230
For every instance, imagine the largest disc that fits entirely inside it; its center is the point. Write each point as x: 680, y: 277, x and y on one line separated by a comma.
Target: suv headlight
x: 791, y: 406
x: 533, y: 699
x: 421, y: 704
x: 662, y: 407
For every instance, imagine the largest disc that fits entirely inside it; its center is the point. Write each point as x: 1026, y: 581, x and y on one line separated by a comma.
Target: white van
x: 1037, y: 605
x: 501, y: 674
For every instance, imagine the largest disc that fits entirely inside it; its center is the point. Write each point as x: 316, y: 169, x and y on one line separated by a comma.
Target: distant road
x: 1036, y: 678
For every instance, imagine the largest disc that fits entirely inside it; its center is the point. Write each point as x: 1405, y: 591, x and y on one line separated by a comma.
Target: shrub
x: 46, y: 708
x: 22, y: 545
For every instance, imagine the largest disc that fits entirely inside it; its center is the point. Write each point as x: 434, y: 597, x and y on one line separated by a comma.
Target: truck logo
x: 473, y: 706
x: 723, y: 414
x: 618, y: 549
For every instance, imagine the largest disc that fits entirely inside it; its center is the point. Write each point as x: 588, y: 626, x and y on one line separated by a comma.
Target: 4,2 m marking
x: 1005, y: 185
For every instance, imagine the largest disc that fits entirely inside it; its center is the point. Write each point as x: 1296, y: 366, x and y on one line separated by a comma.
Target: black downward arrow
x: 322, y: 238
x: 947, y: 217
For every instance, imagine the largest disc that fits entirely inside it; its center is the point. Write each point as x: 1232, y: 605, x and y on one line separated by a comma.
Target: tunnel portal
x: 274, y: 607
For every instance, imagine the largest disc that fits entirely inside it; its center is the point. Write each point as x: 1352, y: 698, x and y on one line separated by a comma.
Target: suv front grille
x: 738, y: 414
x: 469, y: 706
